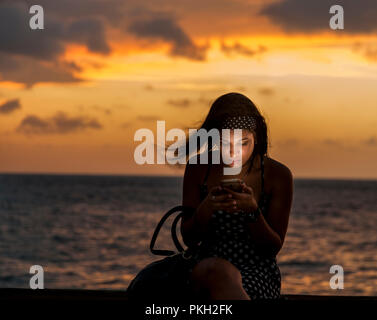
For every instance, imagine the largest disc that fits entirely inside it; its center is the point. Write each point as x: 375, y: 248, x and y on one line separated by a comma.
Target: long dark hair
x: 232, y: 104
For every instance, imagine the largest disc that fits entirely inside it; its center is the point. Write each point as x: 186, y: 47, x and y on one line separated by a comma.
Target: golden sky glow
x: 317, y: 91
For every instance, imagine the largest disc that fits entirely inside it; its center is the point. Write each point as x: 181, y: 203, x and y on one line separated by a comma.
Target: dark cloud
x: 31, y: 56
x: 60, y: 123
x: 16, y: 37
x: 111, y: 10
x: 168, y: 30
x: 313, y: 16
x: 30, y: 71
x: 91, y: 32
x: 239, y: 48
x: 10, y: 106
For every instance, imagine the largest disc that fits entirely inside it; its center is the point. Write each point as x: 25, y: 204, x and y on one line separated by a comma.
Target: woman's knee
x: 215, y: 270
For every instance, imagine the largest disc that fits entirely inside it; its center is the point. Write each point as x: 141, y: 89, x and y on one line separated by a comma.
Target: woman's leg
x: 215, y: 278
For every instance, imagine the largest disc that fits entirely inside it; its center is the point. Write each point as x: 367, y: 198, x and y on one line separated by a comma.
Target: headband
x: 239, y: 122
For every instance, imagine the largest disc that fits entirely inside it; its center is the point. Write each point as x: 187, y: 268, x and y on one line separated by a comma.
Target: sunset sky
x: 73, y: 95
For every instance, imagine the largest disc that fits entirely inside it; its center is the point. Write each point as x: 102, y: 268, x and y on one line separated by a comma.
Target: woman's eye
x: 226, y: 144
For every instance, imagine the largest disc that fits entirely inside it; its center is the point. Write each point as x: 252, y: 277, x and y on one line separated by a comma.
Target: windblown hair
x: 231, y: 104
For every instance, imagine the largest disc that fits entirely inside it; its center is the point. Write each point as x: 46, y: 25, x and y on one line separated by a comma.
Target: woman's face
x: 233, y: 148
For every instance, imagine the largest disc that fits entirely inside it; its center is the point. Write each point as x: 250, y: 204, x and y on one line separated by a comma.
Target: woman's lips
x: 235, y: 162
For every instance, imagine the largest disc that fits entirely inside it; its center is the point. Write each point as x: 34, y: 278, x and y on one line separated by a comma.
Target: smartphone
x: 233, y: 184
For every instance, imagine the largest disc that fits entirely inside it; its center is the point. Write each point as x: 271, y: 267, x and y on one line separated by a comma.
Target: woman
x: 240, y: 233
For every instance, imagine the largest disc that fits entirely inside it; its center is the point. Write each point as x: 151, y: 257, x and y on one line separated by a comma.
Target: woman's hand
x: 244, y: 200
x: 217, y: 200
x: 213, y: 202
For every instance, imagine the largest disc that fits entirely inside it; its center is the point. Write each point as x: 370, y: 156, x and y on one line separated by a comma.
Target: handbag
x: 166, y: 279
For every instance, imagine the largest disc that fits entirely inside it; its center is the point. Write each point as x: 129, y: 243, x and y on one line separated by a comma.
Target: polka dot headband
x: 240, y: 122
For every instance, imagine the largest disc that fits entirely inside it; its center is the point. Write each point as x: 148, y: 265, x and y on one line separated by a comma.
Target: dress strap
x: 262, y: 174
x: 207, y: 174
x: 208, y: 168
x: 203, y: 186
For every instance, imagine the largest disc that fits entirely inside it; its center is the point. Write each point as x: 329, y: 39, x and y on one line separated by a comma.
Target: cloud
x: 41, y: 52
x: 266, y: 91
x: 125, y: 125
x: 29, y: 71
x: 168, y: 30
x: 111, y: 10
x: 60, y: 123
x: 180, y: 103
x: 239, y: 48
x: 10, y: 106
x: 186, y: 102
x: 101, y: 109
x: 313, y: 16
x: 148, y: 118
x: 205, y: 101
x: 372, y: 141
x: 90, y: 32
x: 17, y: 38
x: 332, y: 142
x: 287, y: 143
x: 369, y: 51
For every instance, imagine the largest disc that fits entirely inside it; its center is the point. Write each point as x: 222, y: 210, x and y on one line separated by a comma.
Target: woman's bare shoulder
x: 277, y: 173
x: 194, y: 170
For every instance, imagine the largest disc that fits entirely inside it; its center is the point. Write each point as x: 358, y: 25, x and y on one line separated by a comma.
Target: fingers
x: 236, y: 195
x: 225, y: 205
x: 221, y: 197
x: 246, y: 188
x: 215, y: 189
x: 217, y: 194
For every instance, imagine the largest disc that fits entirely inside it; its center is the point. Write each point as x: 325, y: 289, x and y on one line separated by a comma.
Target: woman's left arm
x: 270, y: 232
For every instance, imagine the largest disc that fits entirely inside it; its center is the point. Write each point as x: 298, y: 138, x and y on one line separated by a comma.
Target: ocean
x: 93, y: 232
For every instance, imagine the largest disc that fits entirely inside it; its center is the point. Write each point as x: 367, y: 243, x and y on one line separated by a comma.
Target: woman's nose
x: 234, y: 150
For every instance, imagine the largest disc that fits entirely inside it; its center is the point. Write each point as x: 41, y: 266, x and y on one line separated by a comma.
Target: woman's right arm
x: 194, y: 227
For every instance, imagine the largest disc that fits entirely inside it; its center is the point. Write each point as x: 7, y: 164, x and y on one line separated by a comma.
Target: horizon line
x: 167, y: 175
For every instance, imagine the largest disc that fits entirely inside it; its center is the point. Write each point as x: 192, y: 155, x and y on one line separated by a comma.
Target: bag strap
x: 174, y: 232
x: 180, y: 209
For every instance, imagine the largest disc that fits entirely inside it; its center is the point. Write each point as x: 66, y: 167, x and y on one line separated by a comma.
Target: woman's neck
x: 245, y: 167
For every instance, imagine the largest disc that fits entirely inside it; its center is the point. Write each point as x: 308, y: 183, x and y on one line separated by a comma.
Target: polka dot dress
x: 229, y: 239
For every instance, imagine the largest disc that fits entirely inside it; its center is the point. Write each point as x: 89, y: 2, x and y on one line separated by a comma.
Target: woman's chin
x: 234, y: 164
